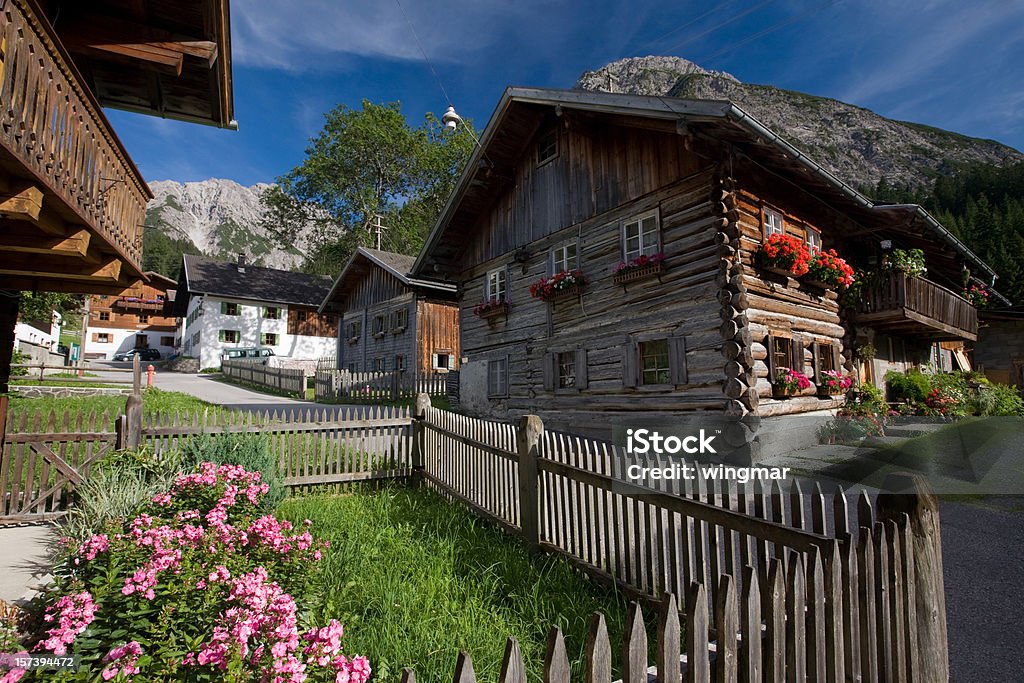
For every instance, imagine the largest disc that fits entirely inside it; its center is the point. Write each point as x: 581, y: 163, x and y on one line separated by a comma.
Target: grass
x: 415, y: 580
x: 153, y: 401
x: 410, y: 402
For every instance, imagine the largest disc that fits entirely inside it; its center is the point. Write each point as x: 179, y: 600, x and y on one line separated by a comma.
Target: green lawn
x: 415, y: 579
x: 153, y: 401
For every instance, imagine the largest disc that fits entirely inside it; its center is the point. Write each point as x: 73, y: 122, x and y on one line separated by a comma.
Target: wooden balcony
x: 903, y: 304
x: 72, y: 203
x: 134, y: 304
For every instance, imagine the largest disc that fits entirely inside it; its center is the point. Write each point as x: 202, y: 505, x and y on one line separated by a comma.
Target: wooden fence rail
x: 332, y: 384
x: 255, y: 372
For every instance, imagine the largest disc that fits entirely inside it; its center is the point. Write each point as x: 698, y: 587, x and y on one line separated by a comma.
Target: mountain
x: 855, y: 144
x: 215, y: 217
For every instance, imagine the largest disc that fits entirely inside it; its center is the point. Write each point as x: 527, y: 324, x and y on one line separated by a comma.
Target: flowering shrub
x: 639, y: 262
x: 834, y: 382
x: 827, y: 267
x: 939, y: 404
x: 909, y: 261
x: 545, y: 288
x: 199, y: 586
x: 789, y: 381
x: 489, y: 305
x: 977, y: 295
x: 785, y: 252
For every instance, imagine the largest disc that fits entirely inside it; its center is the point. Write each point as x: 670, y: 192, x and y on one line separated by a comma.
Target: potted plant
x: 977, y: 295
x: 564, y: 284
x: 827, y: 270
x: 785, y: 255
x: 788, y: 382
x: 833, y: 383
x: 640, y: 267
x: 491, y: 308
x: 909, y: 261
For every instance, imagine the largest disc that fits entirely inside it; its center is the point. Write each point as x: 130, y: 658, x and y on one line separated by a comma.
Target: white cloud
x: 298, y: 35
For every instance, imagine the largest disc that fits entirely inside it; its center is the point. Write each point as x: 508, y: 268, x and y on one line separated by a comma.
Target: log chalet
x: 72, y: 202
x: 655, y: 210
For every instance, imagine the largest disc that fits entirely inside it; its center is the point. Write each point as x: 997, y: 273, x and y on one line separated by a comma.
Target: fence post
x: 419, y: 432
x: 909, y: 494
x: 133, y: 409
x: 4, y: 404
x: 528, y: 445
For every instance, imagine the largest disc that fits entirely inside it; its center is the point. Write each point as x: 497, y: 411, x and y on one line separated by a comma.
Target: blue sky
x: 954, y: 64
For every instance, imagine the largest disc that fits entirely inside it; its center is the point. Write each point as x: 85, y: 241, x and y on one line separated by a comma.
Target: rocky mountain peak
x: 649, y: 75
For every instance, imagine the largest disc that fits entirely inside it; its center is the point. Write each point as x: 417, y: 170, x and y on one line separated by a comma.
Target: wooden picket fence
x: 331, y: 384
x: 255, y: 372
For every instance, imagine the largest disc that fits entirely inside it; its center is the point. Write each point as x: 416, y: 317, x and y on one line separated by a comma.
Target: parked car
x: 248, y: 353
x: 143, y: 354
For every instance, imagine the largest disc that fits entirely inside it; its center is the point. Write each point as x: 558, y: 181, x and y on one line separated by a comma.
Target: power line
x: 424, y: 52
x: 716, y: 8
x: 770, y: 29
x: 723, y: 24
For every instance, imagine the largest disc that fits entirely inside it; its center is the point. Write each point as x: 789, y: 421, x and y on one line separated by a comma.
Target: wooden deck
x: 906, y: 304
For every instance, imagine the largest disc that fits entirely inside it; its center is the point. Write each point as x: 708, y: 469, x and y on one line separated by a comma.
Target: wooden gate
x: 45, y: 458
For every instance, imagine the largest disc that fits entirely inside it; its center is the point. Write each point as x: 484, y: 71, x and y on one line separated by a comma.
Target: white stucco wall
x: 124, y: 340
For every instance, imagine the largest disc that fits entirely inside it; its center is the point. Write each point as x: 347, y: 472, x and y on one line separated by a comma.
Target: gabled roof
x: 398, y: 265
x: 160, y: 281
x: 230, y: 280
x: 520, y: 111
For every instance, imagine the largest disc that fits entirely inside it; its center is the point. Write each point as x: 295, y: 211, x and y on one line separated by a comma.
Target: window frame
x: 223, y: 334
x: 265, y: 335
x: 380, y: 364
x: 230, y: 308
x: 548, y: 141
x: 497, y: 389
x: 102, y: 314
x: 566, y: 370
x: 767, y: 230
x: 808, y: 231
x: 399, y: 320
x: 555, y: 262
x: 380, y: 325
x: 493, y: 278
x: 276, y: 315
x: 642, y: 371
x: 447, y: 355
x: 638, y: 220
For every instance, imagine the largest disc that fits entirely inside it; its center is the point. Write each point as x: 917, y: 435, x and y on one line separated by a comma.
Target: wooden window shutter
x: 224, y: 307
x: 677, y: 359
x: 836, y: 358
x: 815, y: 360
x: 550, y: 368
x: 95, y: 336
x: 581, y: 367
x: 798, y: 354
x: 630, y: 364
x: 770, y: 358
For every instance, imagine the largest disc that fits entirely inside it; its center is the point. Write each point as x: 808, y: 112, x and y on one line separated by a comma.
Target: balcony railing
x: 52, y: 124
x: 901, y: 302
x: 138, y: 304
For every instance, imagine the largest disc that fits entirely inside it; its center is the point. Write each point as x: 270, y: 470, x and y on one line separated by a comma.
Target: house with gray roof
x: 391, y: 320
x: 232, y: 304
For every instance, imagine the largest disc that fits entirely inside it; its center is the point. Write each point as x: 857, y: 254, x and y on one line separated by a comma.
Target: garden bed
x: 416, y: 579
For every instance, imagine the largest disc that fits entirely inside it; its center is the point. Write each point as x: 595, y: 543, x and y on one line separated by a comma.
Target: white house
x: 225, y: 305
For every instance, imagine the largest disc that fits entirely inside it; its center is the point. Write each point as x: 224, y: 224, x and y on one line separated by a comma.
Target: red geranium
x: 785, y: 252
x: 828, y: 267
x: 639, y: 262
x: 545, y: 288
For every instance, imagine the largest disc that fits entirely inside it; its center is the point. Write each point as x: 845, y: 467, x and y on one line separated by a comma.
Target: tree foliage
x: 364, y: 163
x: 984, y: 206
x: 38, y: 307
x: 162, y: 253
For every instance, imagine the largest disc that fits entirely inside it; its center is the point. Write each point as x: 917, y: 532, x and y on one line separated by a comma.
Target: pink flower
x: 73, y: 613
x: 123, y: 659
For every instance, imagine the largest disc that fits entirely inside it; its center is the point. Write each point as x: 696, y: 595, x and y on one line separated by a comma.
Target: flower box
x: 572, y: 292
x: 631, y: 274
x: 779, y: 391
x: 827, y: 270
x: 833, y: 383
x: 817, y: 284
x: 782, y: 272
x: 563, y: 285
x: 488, y: 310
x: 353, y: 340
x: 789, y: 382
x: 784, y: 254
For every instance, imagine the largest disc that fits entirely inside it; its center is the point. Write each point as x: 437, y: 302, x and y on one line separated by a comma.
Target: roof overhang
x: 359, y: 265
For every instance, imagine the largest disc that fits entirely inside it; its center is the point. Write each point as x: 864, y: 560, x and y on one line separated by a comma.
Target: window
x: 564, y: 258
x: 497, y: 285
x: 380, y: 325
x: 143, y: 319
x: 268, y: 339
x: 300, y: 316
x: 640, y: 237
x: 195, y: 339
x: 229, y: 336
x: 567, y: 370
x: 399, y: 320
x: 773, y: 223
x: 813, y: 239
x: 497, y: 376
x: 826, y: 358
x: 378, y: 364
x: 782, y: 354
x: 104, y: 315
x: 399, y: 362
x: 353, y: 368
x: 547, y: 145
x: 101, y: 337
x: 272, y: 313
x: 443, y: 360
x: 228, y: 308
x: 166, y: 341
x: 654, y: 362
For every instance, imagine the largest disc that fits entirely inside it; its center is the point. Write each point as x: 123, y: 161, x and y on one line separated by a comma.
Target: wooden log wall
x: 608, y: 316
x: 437, y: 331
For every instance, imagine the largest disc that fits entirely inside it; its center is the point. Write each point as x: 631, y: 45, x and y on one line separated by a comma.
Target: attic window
x: 772, y: 222
x: 547, y: 146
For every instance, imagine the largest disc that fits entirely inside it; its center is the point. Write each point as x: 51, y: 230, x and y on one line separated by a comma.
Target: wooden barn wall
x: 437, y: 331
x: 598, y: 168
x: 784, y: 306
x: 682, y: 301
x: 377, y: 293
x: 314, y: 324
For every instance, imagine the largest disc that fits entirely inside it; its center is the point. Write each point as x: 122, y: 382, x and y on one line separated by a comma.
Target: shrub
x: 249, y: 450
x: 19, y: 358
x: 999, y: 400
x: 912, y: 386
x: 197, y: 587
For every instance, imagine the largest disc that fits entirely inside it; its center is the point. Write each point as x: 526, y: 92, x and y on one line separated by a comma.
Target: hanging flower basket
x: 977, y: 295
x: 491, y: 308
x: 833, y: 383
x: 784, y: 255
x: 639, y: 268
x: 563, y: 285
x: 789, y: 382
x: 827, y: 270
